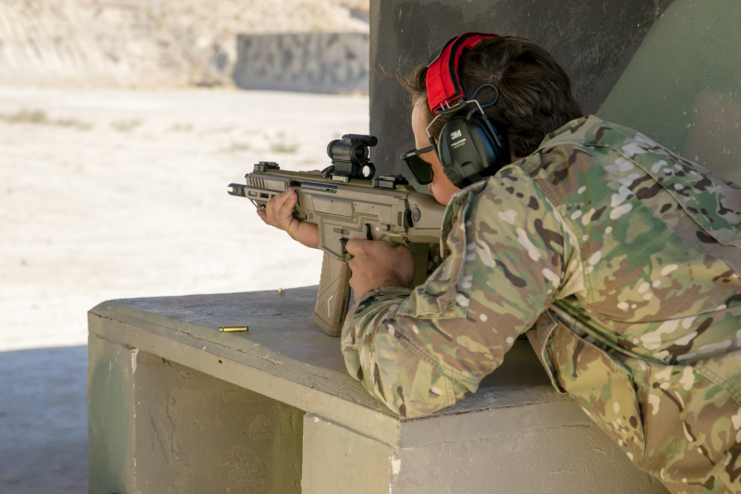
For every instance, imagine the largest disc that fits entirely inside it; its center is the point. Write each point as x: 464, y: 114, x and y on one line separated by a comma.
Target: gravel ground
x: 115, y: 194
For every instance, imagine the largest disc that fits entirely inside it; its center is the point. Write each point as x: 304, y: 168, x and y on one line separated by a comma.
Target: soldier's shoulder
x: 512, y: 188
x: 591, y: 131
x: 511, y: 183
x: 580, y: 145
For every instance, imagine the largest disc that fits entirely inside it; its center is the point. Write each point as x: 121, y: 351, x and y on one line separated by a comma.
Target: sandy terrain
x: 150, y: 43
x: 114, y: 194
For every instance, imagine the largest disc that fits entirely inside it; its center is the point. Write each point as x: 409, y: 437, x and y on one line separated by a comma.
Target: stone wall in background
x: 313, y: 62
x: 150, y: 43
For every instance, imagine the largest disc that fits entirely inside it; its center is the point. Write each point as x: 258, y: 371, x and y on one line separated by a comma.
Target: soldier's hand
x: 279, y: 213
x: 378, y: 264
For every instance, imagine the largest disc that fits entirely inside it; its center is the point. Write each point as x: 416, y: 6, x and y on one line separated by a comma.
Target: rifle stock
x: 386, y: 209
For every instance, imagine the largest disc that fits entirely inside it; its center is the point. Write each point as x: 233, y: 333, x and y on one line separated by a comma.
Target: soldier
x: 619, y: 259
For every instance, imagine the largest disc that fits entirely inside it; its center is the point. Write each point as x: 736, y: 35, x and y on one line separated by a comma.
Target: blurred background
x: 121, y: 124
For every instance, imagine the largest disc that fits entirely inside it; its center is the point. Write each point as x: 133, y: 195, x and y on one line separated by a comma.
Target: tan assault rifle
x: 383, y: 208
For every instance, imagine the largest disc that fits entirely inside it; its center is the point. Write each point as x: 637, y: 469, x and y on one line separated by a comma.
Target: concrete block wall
x: 310, y: 62
x: 150, y: 43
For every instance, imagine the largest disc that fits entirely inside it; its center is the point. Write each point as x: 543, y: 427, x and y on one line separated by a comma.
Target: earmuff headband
x: 443, y: 87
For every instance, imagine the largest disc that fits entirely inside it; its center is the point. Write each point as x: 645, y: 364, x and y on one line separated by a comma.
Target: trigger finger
x: 351, y: 247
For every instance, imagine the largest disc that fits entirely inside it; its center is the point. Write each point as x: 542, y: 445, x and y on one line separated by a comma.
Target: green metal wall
x: 682, y: 87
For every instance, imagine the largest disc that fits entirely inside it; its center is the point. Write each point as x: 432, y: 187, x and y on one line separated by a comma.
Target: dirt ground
x: 150, y: 43
x: 110, y: 194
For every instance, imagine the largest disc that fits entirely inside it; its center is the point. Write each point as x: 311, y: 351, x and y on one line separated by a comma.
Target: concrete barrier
x: 311, y: 62
x: 175, y: 405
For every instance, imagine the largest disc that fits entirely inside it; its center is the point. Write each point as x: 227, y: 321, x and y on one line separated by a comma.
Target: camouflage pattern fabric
x: 624, y: 259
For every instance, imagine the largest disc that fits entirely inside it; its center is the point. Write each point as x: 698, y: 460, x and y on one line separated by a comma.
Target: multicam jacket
x: 623, y: 259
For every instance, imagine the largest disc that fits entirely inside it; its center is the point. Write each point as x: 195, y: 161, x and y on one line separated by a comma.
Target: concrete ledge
x: 164, y: 381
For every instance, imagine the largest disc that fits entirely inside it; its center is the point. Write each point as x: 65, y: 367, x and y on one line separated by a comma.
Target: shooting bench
x: 175, y: 405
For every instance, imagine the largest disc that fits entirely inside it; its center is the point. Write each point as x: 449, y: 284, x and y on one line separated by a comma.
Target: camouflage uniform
x: 623, y: 259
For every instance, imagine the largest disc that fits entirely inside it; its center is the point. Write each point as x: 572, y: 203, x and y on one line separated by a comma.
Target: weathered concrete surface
x: 525, y: 450
x: 309, y: 62
x: 335, y: 458
x: 178, y: 430
x: 284, y: 355
x: 516, y: 432
x: 110, y: 417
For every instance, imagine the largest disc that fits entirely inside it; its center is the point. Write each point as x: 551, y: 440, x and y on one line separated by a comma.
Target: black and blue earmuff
x: 470, y: 148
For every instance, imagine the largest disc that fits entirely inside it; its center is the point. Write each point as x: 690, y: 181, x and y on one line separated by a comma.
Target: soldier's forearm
x: 407, y: 381
x: 306, y: 234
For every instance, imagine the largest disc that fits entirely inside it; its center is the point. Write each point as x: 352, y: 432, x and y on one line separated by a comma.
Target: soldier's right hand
x: 279, y: 213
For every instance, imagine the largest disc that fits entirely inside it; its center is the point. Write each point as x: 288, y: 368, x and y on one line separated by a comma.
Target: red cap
x: 443, y: 86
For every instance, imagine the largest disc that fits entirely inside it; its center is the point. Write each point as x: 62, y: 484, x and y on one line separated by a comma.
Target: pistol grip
x: 333, y: 298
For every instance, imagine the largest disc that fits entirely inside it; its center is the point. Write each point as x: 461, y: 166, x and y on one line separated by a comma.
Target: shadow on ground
x: 43, y: 421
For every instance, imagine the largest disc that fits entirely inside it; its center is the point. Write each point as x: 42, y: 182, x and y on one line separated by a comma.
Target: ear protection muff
x: 470, y: 148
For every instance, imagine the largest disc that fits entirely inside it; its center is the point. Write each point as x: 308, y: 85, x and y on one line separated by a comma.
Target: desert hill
x: 149, y: 43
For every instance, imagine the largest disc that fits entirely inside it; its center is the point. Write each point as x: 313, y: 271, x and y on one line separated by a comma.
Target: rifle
x: 346, y: 202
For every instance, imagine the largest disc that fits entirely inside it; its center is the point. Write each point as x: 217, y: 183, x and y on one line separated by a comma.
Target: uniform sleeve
x: 506, y: 255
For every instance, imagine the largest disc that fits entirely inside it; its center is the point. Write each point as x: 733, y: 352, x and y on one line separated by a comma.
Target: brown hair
x: 534, y: 91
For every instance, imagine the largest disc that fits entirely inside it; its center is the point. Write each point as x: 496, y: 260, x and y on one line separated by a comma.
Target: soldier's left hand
x: 378, y: 264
